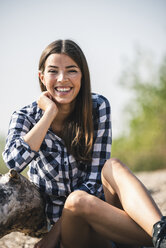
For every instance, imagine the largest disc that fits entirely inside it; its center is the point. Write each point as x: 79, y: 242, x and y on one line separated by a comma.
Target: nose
x: 61, y: 77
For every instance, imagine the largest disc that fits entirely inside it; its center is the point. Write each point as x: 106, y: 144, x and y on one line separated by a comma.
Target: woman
x: 65, y: 137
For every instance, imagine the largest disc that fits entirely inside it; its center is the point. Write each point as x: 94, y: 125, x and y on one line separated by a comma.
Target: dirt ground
x: 154, y: 181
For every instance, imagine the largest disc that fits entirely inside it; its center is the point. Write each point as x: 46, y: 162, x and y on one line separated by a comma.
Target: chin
x: 63, y: 102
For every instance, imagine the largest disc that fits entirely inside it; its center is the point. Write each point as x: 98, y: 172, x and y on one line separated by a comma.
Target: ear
x: 41, y: 76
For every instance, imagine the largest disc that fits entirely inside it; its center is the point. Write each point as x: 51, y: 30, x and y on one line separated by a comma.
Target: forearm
x: 35, y: 136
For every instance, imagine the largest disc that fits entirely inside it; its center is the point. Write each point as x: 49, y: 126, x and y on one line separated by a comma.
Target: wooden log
x: 21, y: 206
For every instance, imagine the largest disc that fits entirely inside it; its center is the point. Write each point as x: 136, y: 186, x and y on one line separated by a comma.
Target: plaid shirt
x: 55, y: 172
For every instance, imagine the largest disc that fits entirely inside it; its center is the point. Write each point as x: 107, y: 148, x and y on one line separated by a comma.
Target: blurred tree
x: 144, y: 147
x: 3, y: 168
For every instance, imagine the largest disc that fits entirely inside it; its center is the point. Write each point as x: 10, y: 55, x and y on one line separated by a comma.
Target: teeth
x: 62, y: 89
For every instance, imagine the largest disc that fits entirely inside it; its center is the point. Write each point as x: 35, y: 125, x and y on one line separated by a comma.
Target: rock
x: 21, y: 206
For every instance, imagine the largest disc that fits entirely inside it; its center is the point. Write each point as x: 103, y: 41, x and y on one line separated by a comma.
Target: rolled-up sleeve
x: 101, y: 147
x: 17, y: 154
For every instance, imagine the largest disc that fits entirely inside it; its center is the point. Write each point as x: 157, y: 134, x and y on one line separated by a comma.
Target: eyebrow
x: 67, y: 67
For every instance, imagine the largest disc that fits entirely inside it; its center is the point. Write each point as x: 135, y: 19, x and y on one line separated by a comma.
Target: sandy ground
x: 154, y: 181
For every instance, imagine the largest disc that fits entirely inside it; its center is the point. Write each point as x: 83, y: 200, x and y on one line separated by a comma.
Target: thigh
x: 84, y: 215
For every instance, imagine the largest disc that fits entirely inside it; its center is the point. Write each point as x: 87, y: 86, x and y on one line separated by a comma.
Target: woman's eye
x: 72, y: 71
x: 53, y: 71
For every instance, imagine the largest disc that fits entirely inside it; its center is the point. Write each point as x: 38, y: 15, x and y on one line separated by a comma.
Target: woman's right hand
x: 35, y: 136
x: 46, y: 102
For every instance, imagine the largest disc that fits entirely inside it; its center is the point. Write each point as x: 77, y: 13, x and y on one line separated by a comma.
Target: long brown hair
x: 78, y: 131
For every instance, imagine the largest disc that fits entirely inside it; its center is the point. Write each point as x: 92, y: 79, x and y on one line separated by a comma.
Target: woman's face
x: 62, y: 78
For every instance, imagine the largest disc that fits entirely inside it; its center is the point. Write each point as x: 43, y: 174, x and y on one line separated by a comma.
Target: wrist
x: 51, y: 112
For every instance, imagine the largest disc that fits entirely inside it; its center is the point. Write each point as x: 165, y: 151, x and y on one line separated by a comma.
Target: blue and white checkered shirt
x: 55, y: 172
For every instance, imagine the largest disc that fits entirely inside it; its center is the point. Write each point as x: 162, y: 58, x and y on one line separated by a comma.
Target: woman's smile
x: 63, y: 89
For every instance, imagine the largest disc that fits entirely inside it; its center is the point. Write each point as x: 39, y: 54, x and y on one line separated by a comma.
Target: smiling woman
x: 65, y: 137
x: 63, y: 63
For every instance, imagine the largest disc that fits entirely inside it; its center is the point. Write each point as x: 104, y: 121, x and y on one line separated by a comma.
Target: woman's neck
x: 64, y: 111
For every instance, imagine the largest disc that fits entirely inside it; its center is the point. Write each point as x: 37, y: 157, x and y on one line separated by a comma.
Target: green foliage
x: 145, y: 146
x: 3, y: 168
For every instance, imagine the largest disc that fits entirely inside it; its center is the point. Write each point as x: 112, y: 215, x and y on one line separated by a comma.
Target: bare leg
x: 75, y: 230
x: 90, y: 222
x: 83, y: 213
x: 52, y: 238
x: 136, y: 201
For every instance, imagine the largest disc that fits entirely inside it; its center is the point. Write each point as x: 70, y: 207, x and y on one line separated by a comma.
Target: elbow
x: 10, y: 162
x: 13, y: 166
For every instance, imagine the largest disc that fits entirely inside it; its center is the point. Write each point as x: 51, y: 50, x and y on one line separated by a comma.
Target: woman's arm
x: 35, y: 136
x: 26, y: 134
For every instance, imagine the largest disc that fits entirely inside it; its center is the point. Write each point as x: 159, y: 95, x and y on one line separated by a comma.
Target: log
x: 21, y: 206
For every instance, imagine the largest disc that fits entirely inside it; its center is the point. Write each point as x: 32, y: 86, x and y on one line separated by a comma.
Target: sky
x: 108, y: 31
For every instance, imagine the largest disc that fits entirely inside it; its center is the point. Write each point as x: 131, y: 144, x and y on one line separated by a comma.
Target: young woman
x: 65, y: 137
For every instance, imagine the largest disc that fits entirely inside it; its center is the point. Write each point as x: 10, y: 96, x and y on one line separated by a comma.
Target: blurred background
x: 125, y: 46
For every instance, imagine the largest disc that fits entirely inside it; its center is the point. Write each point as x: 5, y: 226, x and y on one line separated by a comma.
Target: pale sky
x: 107, y: 31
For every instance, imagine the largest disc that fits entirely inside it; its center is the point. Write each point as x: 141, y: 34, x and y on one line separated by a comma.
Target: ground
x: 154, y: 181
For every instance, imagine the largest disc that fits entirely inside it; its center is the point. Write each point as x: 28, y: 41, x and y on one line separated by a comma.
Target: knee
x: 79, y: 203
x: 114, y: 167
